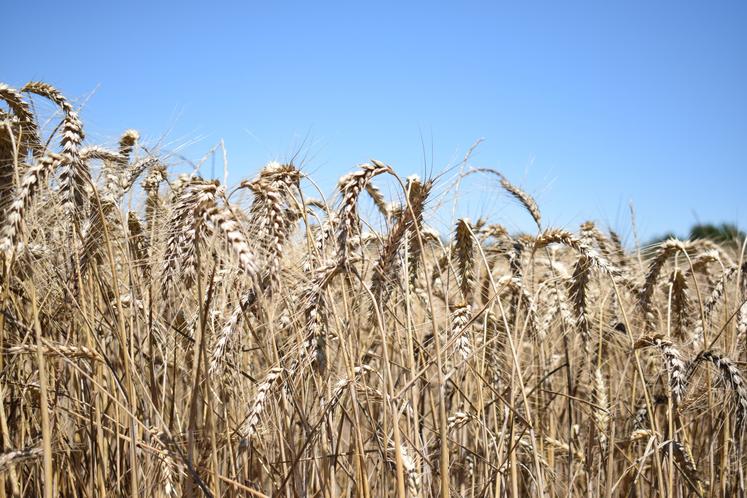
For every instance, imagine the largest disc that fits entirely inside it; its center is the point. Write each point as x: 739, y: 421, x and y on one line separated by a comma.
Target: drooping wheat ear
x: 704, y: 245
x: 458, y: 420
x: 675, y: 365
x: 558, y: 236
x: 274, y: 172
x: 57, y: 350
x: 666, y: 250
x: 351, y: 186
x: 274, y: 227
x: 95, y: 152
x: 127, y: 144
x: 223, y: 221
x: 718, y: 291
x: 113, y: 188
x: 74, y: 175
x: 731, y: 376
x: 249, y: 427
x: 34, y: 177
x: 460, y: 318
x: 14, y: 457
x: 464, y: 249
x: 410, y: 468
x: 711, y: 302
x: 500, y: 246
x: 378, y: 198
x: 601, y: 410
x: 22, y: 111
x: 524, y: 198
x: 115, y: 166
x: 703, y: 259
x: 556, y: 444
x: 681, y: 307
x: 131, y: 174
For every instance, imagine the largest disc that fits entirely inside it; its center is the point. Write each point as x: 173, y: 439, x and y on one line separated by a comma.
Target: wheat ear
x: 22, y: 111
x: 675, y: 365
x: 524, y: 198
x: 730, y: 376
x: 30, y: 184
x: 249, y: 427
x: 14, y: 457
x: 74, y: 175
x: 351, y: 186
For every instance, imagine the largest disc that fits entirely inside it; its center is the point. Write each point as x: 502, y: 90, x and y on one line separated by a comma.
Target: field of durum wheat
x: 163, y: 334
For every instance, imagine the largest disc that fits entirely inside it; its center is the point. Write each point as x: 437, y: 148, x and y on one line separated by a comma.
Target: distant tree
x: 725, y: 232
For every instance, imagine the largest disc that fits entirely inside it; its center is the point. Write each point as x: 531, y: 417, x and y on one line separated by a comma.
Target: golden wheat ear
x: 75, y: 177
x: 248, y: 428
x: 34, y: 177
x: 351, y: 186
x: 127, y: 144
x: 274, y: 214
x: 14, y: 457
x: 732, y: 377
x: 677, y: 368
x: 387, y: 269
x: 525, y: 199
x: 21, y: 111
x: 18, y: 135
x: 666, y: 250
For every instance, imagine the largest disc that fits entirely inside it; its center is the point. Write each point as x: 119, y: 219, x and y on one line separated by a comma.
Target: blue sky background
x: 586, y: 106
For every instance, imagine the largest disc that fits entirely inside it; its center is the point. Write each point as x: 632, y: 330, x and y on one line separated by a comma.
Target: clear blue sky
x: 586, y: 106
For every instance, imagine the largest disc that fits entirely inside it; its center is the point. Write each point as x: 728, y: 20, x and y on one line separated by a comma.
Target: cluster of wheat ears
x: 159, y: 339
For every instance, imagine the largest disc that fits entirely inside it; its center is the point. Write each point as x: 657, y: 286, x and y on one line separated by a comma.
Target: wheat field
x: 166, y: 335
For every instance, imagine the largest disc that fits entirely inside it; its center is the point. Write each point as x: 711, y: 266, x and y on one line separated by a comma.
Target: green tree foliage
x: 722, y: 233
